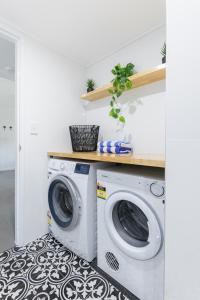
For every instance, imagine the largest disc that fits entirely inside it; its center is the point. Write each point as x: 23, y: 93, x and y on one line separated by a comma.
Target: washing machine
x: 130, y: 213
x: 72, y: 205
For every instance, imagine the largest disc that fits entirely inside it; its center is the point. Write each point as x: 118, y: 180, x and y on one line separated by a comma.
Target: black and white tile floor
x: 45, y: 270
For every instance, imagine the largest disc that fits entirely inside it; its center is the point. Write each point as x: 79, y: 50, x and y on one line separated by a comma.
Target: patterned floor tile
x: 45, y: 270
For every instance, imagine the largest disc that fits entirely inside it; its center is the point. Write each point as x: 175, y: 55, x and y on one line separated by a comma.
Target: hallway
x: 7, y: 209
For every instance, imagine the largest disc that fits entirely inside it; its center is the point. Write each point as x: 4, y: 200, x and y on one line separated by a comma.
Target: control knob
x: 157, y: 189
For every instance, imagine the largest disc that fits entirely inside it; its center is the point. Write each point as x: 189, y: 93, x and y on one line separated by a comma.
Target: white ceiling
x: 7, y: 59
x: 84, y: 30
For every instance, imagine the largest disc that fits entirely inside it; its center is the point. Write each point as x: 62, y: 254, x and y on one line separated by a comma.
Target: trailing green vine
x: 120, y: 83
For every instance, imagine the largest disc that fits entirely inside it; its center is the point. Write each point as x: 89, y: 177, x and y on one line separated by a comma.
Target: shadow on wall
x: 143, y: 109
x: 130, y: 100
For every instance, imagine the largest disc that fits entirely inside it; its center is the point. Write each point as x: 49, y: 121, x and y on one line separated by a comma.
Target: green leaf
x: 129, y: 84
x: 117, y: 67
x: 117, y: 110
x: 115, y: 83
x: 123, y: 79
x: 111, y: 103
x: 130, y: 66
x: 113, y: 72
x: 118, y: 94
x: 122, y: 87
x: 129, y: 69
x: 122, y: 119
x: 113, y: 113
x: 111, y: 91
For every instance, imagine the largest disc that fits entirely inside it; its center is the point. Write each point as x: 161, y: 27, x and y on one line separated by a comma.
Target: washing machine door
x: 64, y: 202
x: 132, y: 225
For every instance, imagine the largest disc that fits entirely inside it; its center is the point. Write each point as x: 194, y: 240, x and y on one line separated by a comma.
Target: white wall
x: 7, y: 118
x: 50, y: 97
x: 49, y: 88
x: 144, y: 108
x: 182, y: 152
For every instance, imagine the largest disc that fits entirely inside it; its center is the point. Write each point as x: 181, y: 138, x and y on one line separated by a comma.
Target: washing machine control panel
x: 157, y: 189
x: 82, y: 169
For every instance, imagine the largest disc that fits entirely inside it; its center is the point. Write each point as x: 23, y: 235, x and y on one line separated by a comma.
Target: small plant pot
x: 163, y: 59
x: 90, y: 90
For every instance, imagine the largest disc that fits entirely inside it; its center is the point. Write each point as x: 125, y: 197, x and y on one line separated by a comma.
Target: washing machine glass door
x: 133, y: 225
x: 64, y: 202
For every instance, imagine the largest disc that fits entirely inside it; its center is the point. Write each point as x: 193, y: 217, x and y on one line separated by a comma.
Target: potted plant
x: 90, y: 85
x: 121, y: 83
x: 163, y: 53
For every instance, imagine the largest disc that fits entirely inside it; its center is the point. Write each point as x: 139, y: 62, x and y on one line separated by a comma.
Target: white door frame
x: 10, y: 35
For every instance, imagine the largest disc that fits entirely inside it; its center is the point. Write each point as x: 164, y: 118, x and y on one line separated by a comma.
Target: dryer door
x: 132, y: 225
x: 64, y: 202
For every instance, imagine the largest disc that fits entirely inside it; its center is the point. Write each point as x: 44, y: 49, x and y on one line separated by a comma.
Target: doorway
x: 7, y: 143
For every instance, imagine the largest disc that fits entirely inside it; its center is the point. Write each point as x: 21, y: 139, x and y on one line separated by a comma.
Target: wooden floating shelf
x: 129, y: 159
x: 139, y: 79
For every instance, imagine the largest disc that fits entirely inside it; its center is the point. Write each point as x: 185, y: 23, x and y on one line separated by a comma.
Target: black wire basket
x: 84, y: 137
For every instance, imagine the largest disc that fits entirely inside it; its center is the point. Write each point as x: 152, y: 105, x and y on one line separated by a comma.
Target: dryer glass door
x: 63, y: 202
x: 133, y: 225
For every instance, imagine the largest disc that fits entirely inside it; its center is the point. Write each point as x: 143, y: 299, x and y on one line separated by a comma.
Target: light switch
x: 34, y: 128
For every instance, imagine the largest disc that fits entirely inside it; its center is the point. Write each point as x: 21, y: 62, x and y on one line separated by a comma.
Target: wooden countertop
x: 149, y: 160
